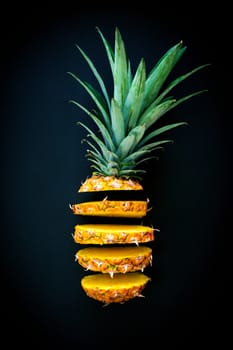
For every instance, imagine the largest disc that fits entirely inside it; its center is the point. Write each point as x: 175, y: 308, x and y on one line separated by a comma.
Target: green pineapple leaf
x: 125, y: 146
x: 120, y: 72
x: 117, y: 122
x: 185, y: 98
x: 134, y: 99
x: 96, y: 74
x: 160, y: 72
x: 97, y: 140
x: 97, y: 98
x: 178, y: 81
x: 159, y: 131
x: 105, y: 134
x: 154, y: 112
x: 109, y: 50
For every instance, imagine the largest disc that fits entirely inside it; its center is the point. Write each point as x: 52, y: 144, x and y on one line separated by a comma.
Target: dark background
x: 188, y: 302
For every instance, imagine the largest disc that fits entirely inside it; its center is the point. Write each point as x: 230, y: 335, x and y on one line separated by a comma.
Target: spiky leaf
x: 97, y: 98
x: 160, y: 72
x: 178, y: 81
x: 117, y: 122
x: 96, y: 74
x: 105, y: 134
x: 120, y: 72
x: 134, y: 99
x: 154, y: 112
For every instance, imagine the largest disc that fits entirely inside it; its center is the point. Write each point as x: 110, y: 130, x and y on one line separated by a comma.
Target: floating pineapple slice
x: 109, y: 183
x: 112, y: 234
x: 119, y: 289
x: 109, y: 208
x: 115, y: 259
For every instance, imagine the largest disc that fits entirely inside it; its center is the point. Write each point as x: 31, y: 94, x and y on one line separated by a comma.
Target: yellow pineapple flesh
x: 112, y: 234
x: 115, y: 259
x: 119, y: 289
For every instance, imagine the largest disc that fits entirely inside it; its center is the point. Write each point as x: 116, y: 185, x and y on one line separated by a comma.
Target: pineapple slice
x: 109, y: 183
x: 115, y: 259
x: 112, y: 234
x: 112, y: 208
x: 119, y: 289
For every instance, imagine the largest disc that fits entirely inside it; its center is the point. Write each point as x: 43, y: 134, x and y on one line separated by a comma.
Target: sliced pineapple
x: 109, y: 208
x: 115, y: 259
x: 112, y: 234
x: 119, y: 289
x: 109, y: 183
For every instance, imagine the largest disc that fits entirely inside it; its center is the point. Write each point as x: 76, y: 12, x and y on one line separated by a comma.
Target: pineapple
x: 113, y: 234
x: 112, y: 208
x: 121, y: 288
x: 127, y: 137
x: 115, y: 260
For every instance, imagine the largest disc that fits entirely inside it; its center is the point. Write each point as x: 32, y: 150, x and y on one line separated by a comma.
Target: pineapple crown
x: 126, y: 121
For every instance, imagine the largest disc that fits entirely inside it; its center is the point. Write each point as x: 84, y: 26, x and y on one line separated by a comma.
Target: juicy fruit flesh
x: 114, y: 252
x: 134, y: 209
x: 107, y: 183
x: 114, y: 227
x: 119, y: 289
x: 110, y: 234
x: 102, y: 281
x: 116, y: 259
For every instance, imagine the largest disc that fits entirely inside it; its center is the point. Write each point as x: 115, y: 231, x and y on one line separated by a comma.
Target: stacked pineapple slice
x: 116, y: 253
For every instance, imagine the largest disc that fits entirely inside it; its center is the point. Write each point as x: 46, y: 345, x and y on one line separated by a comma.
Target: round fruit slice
x: 109, y: 208
x: 111, y: 234
x: 115, y: 259
x: 105, y: 183
x: 119, y: 289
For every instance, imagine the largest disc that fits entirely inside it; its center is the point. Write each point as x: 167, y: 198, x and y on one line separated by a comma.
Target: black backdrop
x: 43, y: 163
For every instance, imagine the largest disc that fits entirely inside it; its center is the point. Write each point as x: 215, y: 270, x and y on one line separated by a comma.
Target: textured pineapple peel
x: 127, y: 120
